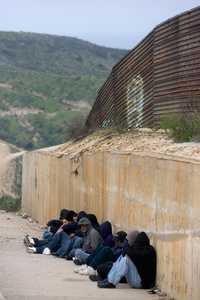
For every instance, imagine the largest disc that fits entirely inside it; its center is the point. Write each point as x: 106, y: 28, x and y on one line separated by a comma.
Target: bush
x: 10, y: 204
x: 183, y: 128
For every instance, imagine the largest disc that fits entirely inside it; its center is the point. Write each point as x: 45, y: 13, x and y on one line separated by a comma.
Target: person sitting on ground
x: 104, y: 255
x: 94, y: 222
x: 51, y: 228
x: 104, y: 229
x: 106, y: 233
x: 59, y: 238
x: 91, y: 240
x: 121, y: 244
x: 137, y: 264
x: 68, y: 247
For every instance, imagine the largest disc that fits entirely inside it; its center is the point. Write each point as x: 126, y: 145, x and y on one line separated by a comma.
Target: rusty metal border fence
x: 160, y: 76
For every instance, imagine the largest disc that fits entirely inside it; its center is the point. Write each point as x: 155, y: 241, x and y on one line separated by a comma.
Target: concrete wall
x: 134, y: 191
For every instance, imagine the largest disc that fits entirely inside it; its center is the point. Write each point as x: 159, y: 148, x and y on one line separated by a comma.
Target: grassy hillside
x: 46, y: 84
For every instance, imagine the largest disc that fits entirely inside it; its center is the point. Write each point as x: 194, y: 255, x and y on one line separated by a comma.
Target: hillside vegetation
x: 47, y: 84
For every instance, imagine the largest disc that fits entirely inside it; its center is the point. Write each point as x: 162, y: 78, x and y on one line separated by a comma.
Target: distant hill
x: 47, y: 83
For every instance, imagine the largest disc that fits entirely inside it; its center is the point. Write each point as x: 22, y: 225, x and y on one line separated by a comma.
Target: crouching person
x: 137, y: 264
x: 91, y: 240
x: 60, y: 241
x: 51, y: 228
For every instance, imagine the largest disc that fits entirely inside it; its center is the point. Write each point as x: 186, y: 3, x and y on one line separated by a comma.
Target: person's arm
x: 95, y: 239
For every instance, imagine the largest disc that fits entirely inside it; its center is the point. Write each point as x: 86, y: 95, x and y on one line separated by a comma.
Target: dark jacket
x: 119, y: 249
x: 70, y: 228
x: 106, y: 233
x: 143, y: 255
x: 54, y: 225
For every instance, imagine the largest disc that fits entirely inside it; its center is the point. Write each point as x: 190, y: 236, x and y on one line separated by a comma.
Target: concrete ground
x: 26, y: 276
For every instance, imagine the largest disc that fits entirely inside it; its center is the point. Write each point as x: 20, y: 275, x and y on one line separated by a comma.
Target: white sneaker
x: 88, y: 271
x: 31, y: 241
x: 31, y: 249
x: 78, y: 269
x: 46, y: 251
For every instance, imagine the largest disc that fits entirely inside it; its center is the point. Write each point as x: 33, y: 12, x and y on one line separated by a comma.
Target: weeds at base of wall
x: 10, y: 204
x: 182, y: 128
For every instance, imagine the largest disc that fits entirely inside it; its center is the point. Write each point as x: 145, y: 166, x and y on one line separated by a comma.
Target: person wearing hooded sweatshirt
x: 91, y: 240
x: 59, y: 239
x: 105, y: 230
x: 121, y: 244
x: 137, y: 264
x: 101, y: 254
x: 51, y: 228
x: 94, y: 221
x: 104, y: 254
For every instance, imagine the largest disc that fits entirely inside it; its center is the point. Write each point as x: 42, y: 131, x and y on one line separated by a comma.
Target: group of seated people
x: 105, y: 257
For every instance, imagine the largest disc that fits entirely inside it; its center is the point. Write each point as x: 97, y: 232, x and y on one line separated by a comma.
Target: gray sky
x: 113, y: 23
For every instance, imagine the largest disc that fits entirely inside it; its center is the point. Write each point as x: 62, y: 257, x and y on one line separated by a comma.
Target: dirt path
x: 26, y: 276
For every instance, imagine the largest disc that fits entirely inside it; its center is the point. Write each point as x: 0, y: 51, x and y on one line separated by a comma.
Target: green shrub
x: 10, y: 204
x: 182, y: 128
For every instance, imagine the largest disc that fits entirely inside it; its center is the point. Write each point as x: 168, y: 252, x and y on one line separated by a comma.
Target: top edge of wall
x: 158, y: 155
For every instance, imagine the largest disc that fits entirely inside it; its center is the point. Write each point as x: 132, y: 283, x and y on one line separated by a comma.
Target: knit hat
x: 84, y: 221
x: 131, y: 237
x: 120, y: 236
x: 81, y: 214
x: 63, y: 213
x: 70, y: 215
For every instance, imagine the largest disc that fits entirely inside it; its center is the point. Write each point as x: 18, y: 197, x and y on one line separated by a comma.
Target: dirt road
x: 26, y: 276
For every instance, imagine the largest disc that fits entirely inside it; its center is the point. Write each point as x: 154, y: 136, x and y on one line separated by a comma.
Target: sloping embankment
x: 10, y: 171
x: 147, y: 190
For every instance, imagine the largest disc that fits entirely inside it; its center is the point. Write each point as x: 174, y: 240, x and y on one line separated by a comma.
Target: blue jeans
x: 124, y: 267
x: 81, y: 255
x: 67, y: 244
x: 77, y: 244
x: 47, y: 235
x: 53, y: 245
x: 61, y: 244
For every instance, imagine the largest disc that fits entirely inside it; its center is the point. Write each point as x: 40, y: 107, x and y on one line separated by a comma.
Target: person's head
x: 93, y: 220
x: 81, y: 214
x: 142, y: 240
x: 70, y: 216
x: 84, y: 224
x: 63, y: 215
x: 119, y: 238
x: 106, y: 229
x: 131, y: 237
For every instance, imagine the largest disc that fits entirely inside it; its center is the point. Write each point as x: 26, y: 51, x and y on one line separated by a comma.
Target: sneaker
x: 105, y: 284
x: 55, y: 254
x: 31, y: 240
x: 77, y: 262
x: 46, y: 251
x: 87, y: 271
x: 27, y: 242
x: 95, y: 277
x: 31, y: 249
x: 67, y: 257
x: 78, y: 269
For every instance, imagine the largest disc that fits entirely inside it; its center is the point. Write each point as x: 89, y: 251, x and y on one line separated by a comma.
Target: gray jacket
x: 92, y: 237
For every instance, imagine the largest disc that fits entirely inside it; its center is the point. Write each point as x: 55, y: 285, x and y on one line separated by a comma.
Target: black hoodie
x: 143, y: 255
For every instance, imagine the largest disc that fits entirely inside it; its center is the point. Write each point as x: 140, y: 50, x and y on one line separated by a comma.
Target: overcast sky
x: 113, y: 23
